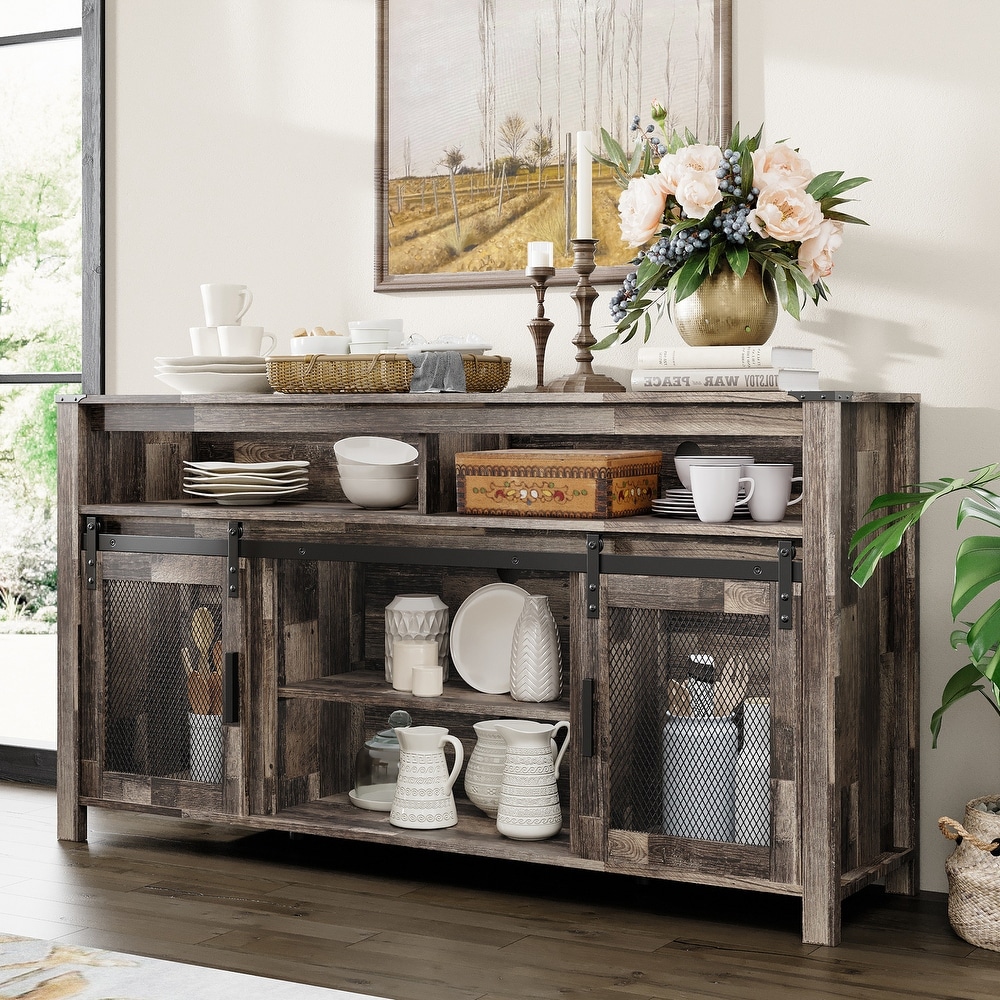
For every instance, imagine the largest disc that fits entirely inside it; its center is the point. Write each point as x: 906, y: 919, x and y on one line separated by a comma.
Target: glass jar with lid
x: 377, y: 767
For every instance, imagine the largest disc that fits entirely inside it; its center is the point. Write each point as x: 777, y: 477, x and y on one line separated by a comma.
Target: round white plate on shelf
x: 211, y: 382
x: 247, y: 466
x: 210, y: 359
x: 378, y: 799
x: 482, y: 632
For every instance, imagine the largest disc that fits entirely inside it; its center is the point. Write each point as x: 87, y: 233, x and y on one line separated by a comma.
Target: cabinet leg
x: 903, y: 881
x: 821, y: 919
x: 71, y: 821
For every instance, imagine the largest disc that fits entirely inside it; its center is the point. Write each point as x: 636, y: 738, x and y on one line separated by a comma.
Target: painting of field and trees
x: 480, y: 102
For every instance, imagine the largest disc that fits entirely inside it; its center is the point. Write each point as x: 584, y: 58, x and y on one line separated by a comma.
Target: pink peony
x: 785, y: 212
x: 699, y: 157
x: 698, y: 193
x: 780, y: 164
x: 641, y: 207
x: 816, y: 253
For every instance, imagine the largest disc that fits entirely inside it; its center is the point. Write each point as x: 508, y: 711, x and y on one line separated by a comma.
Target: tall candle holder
x: 541, y: 326
x: 585, y: 379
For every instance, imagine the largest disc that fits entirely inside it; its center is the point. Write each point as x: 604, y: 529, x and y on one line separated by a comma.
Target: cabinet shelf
x: 475, y: 834
x: 368, y: 687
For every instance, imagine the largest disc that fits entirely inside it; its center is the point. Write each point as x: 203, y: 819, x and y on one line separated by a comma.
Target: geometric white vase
x: 535, y: 656
x: 416, y: 616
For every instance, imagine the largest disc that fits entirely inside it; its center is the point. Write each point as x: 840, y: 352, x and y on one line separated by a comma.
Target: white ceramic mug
x: 772, y: 490
x: 225, y: 304
x: 715, y: 490
x: 205, y: 341
x: 245, y: 341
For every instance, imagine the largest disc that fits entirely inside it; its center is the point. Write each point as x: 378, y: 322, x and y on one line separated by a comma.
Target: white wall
x: 241, y: 148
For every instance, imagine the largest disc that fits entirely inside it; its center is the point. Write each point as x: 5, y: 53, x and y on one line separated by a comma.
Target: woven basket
x: 974, y: 875
x: 374, y: 373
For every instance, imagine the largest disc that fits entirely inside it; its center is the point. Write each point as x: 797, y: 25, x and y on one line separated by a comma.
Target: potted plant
x: 974, y: 867
x: 752, y: 228
x: 977, y: 568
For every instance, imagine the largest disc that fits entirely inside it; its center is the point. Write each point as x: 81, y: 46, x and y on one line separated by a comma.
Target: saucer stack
x: 246, y: 483
x: 205, y: 374
x: 680, y: 503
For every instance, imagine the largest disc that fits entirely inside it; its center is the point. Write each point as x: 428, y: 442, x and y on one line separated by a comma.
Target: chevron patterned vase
x: 535, y: 656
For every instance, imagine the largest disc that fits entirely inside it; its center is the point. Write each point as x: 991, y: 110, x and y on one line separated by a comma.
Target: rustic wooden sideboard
x: 297, y: 593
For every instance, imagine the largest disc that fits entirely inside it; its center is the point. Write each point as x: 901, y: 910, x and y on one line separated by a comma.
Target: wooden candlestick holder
x: 541, y: 326
x: 585, y: 379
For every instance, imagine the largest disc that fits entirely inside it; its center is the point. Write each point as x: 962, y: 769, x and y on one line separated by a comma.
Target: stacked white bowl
x: 377, y: 472
x: 369, y: 336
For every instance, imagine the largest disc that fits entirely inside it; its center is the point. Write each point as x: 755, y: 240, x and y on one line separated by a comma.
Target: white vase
x: 423, y: 799
x: 416, y: 616
x: 535, y: 656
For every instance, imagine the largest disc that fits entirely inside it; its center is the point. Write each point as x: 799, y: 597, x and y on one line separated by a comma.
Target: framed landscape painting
x: 479, y: 104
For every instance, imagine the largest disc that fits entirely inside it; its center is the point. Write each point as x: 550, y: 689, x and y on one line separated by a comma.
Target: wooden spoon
x: 203, y: 633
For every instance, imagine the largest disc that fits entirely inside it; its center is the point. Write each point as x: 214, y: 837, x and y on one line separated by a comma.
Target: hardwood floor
x: 415, y: 925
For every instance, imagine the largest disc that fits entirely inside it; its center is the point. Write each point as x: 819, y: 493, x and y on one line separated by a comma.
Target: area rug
x: 48, y: 970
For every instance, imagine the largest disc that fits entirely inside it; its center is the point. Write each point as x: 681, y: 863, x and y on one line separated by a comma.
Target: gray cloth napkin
x: 437, y: 371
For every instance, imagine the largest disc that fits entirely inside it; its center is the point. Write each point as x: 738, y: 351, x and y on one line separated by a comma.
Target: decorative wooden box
x: 567, y: 483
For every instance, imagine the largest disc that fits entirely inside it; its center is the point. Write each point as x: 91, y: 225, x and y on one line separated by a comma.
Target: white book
x: 725, y: 379
x: 760, y: 356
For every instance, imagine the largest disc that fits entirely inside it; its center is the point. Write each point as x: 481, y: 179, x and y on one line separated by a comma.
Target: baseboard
x: 32, y: 765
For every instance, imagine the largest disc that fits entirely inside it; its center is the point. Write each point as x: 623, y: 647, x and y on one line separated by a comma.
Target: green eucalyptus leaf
x: 689, y: 278
x: 847, y: 185
x: 842, y: 217
x: 823, y: 184
x: 738, y: 258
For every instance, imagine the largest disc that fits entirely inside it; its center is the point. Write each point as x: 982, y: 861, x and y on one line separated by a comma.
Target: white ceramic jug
x: 424, y: 798
x: 529, y: 797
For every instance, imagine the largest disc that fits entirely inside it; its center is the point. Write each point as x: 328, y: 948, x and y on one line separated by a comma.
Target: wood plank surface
x: 412, y: 925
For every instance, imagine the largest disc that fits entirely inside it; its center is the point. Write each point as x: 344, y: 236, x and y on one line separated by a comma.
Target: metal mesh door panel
x: 160, y: 719
x: 690, y: 720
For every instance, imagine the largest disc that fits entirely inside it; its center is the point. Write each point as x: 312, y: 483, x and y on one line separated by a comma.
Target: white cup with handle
x: 772, y: 490
x: 225, y: 305
x: 245, y: 341
x: 715, y: 490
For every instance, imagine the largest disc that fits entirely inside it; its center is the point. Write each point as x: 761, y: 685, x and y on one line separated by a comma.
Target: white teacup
x: 205, y: 341
x: 245, y: 341
x: 772, y: 490
x: 225, y: 304
x: 715, y: 490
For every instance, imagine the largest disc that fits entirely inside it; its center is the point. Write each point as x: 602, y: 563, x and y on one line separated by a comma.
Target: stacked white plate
x: 680, y: 503
x: 246, y: 483
x: 204, y: 374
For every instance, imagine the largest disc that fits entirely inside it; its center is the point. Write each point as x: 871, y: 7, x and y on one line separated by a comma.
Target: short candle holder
x: 541, y: 326
x: 585, y: 379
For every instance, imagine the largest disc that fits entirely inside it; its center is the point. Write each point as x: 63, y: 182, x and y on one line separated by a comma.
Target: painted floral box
x: 568, y: 483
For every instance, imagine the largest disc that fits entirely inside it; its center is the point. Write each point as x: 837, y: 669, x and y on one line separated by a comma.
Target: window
x: 50, y: 321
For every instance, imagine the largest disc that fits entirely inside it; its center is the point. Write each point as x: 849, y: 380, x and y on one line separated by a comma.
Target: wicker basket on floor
x: 374, y: 373
x: 974, y: 875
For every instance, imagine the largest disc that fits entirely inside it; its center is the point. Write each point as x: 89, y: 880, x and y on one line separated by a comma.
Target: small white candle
x: 584, y: 186
x: 408, y: 654
x: 426, y: 681
x: 540, y: 255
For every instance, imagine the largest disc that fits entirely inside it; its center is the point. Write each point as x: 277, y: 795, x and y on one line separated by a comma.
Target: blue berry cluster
x: 733, y: 219
x: 655, y: 143
x: 624, y: 295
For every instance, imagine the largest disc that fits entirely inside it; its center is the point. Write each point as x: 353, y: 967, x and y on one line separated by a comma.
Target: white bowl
x: 352, y: 470
x: 319, y: 345
x: 379, y: 493
x: 682, y: 463
x: 370, y: 335
x: 365, y: 450
x: 375, y: 324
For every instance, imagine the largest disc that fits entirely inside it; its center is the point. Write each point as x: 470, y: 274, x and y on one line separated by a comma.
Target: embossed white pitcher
x: 424, y: 799
x: 529, y: 797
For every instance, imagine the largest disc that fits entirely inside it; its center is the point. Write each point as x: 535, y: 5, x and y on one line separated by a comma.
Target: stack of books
x: 729, y: 369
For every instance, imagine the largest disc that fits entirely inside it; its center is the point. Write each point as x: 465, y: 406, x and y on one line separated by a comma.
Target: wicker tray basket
x: 374, y: 373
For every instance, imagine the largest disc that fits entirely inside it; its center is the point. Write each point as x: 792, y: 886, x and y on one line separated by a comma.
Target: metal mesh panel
x: 690, y: 717
x: 160, y: 719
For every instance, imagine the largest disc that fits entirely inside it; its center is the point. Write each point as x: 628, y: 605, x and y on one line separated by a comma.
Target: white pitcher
x: 424, y: 799
x: 529, y: 797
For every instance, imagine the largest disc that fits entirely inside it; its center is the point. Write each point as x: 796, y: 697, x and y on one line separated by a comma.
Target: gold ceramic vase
x: 726, y: 309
